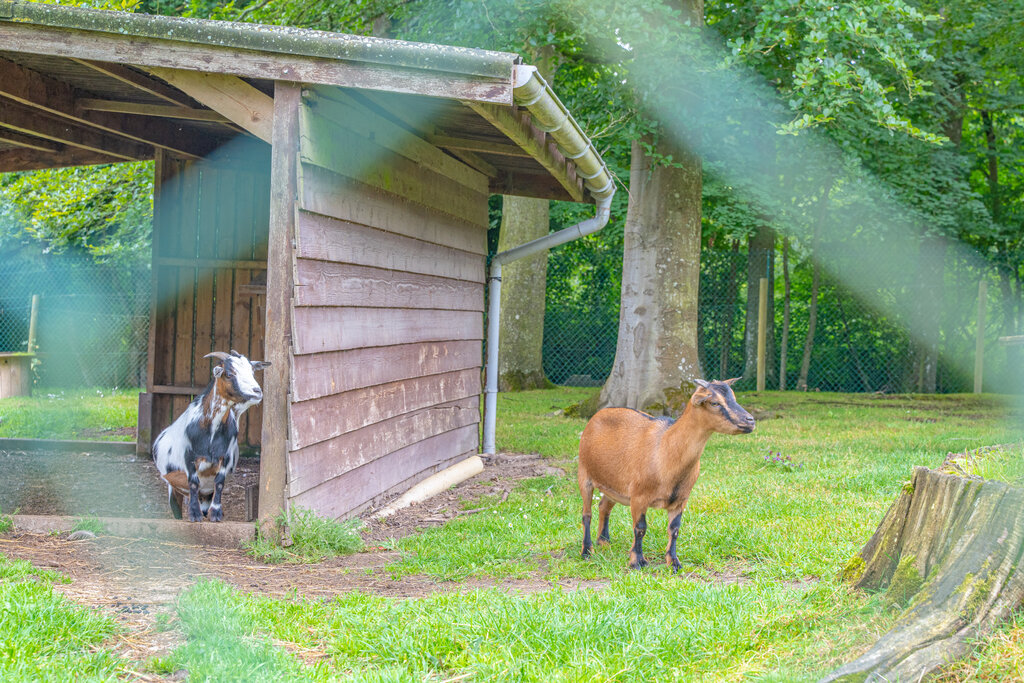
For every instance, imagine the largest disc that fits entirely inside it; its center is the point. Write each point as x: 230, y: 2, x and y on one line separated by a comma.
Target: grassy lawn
x: 762, y: 547
x: 88, y: 414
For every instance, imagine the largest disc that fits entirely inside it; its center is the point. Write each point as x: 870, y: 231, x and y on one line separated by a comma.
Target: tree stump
x: 948, y: 549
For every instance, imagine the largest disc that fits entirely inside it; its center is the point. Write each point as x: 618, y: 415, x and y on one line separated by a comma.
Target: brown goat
x: 642, y: 461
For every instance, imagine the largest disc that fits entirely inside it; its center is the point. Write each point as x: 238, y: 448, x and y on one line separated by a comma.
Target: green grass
x: 43, y: 637
x: 89, y: 414
x: 313, y: 539
x: 91, y: 524
x: 762, y: 549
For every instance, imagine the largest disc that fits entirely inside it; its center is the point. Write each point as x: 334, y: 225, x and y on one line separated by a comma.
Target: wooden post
x: 762, y: 323
x: 979, y: 344
x: 32, y: 320
x: 274, y: 442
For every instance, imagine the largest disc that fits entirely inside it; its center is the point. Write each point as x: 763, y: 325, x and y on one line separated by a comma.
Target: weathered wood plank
x: 157, y: 110
x: 352, y: 155
x: 354, y: 486
x: 12, y: 160
x: 278, y: 338
x: 330, y: 194
x: 241, y: 103
x: 323, y: 374
x: 343, y: 110
x: 325, y: 283
x: 329, y: 239
x: 338, y: 329
x: 249, y: 63
x: 325, y: 418
x: 32, y: 121
x: 211, y: 262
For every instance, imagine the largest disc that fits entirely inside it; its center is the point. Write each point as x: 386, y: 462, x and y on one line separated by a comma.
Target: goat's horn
x: 217, y: 354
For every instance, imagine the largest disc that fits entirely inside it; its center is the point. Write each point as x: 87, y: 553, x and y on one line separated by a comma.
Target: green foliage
x: 99, y: 414
x: 313, y: 538
x: 6, y: 523
x: 106, y: 211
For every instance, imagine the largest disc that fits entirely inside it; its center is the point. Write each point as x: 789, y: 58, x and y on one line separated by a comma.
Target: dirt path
x: 137, y: 580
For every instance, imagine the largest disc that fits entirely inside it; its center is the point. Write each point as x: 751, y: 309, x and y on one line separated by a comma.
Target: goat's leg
x: 636, y: 554
x: 603, y: 510
x: 587, y: 493
x: 216, y: 513
x: 195, y: 513
x: 675, y: 519
x: 174, y: 499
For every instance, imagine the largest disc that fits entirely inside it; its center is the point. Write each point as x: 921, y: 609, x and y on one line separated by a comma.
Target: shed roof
x: 81, y: 86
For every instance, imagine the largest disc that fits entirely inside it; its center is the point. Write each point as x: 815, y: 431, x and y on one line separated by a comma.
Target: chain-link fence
x: 866, y: 339
x: 92, y: 322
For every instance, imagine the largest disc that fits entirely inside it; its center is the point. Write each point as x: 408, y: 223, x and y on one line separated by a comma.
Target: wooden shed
x: 320, y: 202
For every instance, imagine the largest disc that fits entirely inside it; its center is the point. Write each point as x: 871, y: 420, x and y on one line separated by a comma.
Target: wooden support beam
x: 157, y: 110
x: 139, y: 80
x: 27, y: 120
x: 27, y: 141
x: 517, y: 126
x: 470, y: 145
x: 537, y: 185
x: 210, y: 263
x: 275, y: 441
x: 56, y: 97
x: 238, y: 101
x: 33, y: 160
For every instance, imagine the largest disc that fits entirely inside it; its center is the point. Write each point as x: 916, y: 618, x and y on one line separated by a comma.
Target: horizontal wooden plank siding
x: 314, y: 464
x: 324, y: 418
x: 336, y: 329
x: 387, y: 307
x: 328, y: 239
x: 322, y: 374
x: 327, y: 283
x: 340, y: 495
x: 330, y: 194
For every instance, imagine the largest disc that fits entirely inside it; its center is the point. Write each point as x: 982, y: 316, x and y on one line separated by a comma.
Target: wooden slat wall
x: 207, y: 216
x: 387, y: 308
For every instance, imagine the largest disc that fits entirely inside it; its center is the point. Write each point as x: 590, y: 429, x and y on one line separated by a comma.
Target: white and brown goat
x: 642, y: 461
x: 198, y: 450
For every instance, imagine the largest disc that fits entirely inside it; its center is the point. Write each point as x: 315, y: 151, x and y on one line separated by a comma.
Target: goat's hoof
x: 586, y: 554
x: 216, y: 514
x: 674, y: 563
x: 639, y: 563
x: 604, y: 541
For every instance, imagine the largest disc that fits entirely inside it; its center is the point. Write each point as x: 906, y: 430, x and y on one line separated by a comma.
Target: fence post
x: 32, y: 319
x: 979, y: 344
x: 762, y: 322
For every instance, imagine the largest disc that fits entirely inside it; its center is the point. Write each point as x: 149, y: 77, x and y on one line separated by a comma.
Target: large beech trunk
x: 950, y: 547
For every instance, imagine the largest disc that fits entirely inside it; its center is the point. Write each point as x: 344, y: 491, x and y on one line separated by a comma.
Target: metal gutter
x: 284, y: 39
x: 533, y: 93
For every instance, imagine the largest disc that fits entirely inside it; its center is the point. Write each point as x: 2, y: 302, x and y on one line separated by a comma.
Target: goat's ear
x: 730, y: 382
x: 218, y: 370
x: 259, y: 364
x: 236, y: 354
x: 700, y: 383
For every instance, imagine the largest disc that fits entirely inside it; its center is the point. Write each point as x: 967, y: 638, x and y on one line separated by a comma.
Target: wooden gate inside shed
x: 210, y: 227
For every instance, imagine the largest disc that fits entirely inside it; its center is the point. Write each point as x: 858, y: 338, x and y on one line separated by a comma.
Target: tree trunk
x: 812, y: 321
x: 523, y: 283
x: 784, y: 351
x: 732, y: 292
x: 656, y: 357
x: 931, y: 290
x: 760, y: 263
x: 949, y: 546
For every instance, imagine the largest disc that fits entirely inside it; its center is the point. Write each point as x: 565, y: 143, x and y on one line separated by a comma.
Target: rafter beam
x: 517, y: 126
x: 229, y: 95
x: 22, y: 119
x: 27, y: 141
x: 47, y: 94
x: 471, y: 145
x: 33, y: 160
x: 157, y: 110
x: 139, y: 80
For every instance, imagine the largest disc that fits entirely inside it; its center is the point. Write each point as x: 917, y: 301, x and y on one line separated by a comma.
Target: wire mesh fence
x: 92, y: 325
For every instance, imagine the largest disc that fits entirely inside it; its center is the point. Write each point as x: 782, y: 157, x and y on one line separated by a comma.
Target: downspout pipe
x: 586, y: 227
